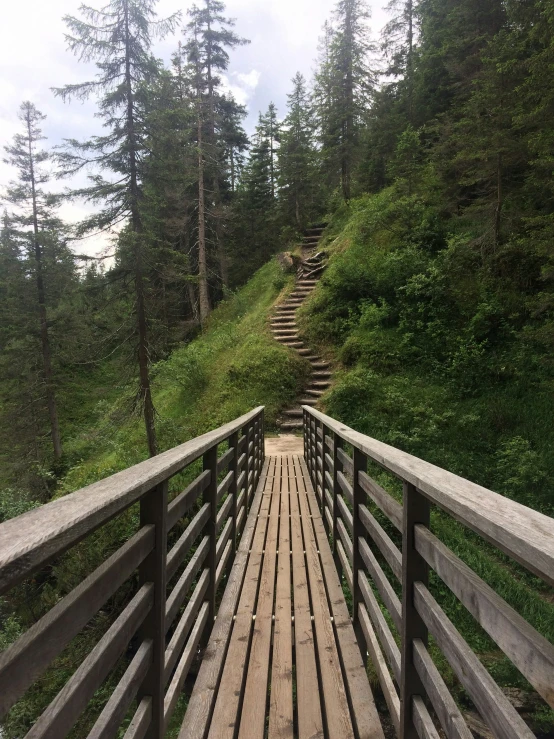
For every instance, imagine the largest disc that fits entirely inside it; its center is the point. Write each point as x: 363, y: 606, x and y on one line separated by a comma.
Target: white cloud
x: 241, y: 85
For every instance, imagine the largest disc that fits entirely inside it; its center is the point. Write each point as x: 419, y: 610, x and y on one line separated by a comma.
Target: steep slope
x: 285, y: 330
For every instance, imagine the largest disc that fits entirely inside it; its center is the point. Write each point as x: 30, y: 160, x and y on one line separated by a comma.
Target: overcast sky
x: 33, y: 59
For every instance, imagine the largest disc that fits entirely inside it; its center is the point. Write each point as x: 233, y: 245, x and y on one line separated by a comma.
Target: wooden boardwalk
x: 283, y: 660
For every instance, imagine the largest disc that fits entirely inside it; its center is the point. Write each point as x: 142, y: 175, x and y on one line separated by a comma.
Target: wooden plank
x: 25, y: 660
x: 114, y: 711
x: 444, y: 704
x: 378, y: 661
x: 224, y: 561
x: 201, y: 702
x: 345, y: 564
x: 224, y: 485
x: 180, y: 549
x: 28, y: 541
x: 345, y: 486
x: 141, y: 720
x: 310, y: 721
x: 530, y: 652
x: 182, y: 670
x: 334, y: 698
x: 524, y: 534
x: 185, y: 500
x: 281, y: 725
x: 364, y: 713
x: 380, y: 625
x: 489, y: 699
x: 346, y: 461
x: 388, y: 505
x: 346, y: 515
x: 225, y: 715
x: 384, y: 587
x: 179, y: 592
x: 382, y: 540
x: 253, y: 710
x: 224, y: 460
x: 64, y: 710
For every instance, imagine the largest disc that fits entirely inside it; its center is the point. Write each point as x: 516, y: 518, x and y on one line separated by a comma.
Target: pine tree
x: 118, y: 37
x: 36, y: 218
x: 298, y: 158
x: 210, y: 38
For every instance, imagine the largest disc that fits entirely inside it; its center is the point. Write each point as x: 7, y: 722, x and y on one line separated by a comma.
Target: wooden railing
x: 165, y: 628
x: 364, y: 551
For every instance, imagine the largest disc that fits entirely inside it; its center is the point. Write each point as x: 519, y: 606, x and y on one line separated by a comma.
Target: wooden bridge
x: 237, y: 564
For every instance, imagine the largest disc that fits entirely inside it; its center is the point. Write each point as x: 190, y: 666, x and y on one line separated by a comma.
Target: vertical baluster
x: 210, y: 496
x: 337, y: 467
x: 262, y: 440
x: 313, y: 452
x: 358, y: 494
x: 414, y: 569
x: 233, y: 491
x: 246, y: 468
x: 153, y: 510
x: 304, y: 436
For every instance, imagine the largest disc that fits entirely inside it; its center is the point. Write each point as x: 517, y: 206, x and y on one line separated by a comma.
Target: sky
x: 33, y: 58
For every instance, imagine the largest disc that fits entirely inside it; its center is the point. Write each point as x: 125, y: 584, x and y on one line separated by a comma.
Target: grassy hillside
x: 444, y: 361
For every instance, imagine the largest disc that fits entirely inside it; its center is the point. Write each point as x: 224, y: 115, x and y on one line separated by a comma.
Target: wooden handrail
x: 166, y: 638
x: 524, y: 534
x: 344, y: 490
x: 28, y: 541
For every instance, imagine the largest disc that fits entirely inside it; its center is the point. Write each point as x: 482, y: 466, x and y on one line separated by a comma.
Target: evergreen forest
x: 427, y: 149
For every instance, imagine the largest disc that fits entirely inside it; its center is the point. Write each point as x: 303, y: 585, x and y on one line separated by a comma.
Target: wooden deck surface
x: 282, y: 660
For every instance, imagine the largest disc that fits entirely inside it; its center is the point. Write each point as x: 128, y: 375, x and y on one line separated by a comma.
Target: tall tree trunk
x: 499, y: 198
x: 410, y: 61
x: 203, y: 293
x: 45, y: 339
x: 346, y: 165
x: 145, y: 391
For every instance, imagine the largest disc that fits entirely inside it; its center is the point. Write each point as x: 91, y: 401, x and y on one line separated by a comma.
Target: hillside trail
x: 285, y: 329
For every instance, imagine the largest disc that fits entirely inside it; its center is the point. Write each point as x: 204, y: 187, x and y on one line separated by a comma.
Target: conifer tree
x: 298, y: 158
x: 118, y: 37
x: 36, y: 218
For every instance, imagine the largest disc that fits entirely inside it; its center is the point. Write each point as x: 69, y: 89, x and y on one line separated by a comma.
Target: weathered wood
x: 223, y: 539
x: 345, y: 539
x: 225, y: 458
x: 223, y: 513
x: 61, y: 714
x: 223, y: 562
x: 380, y: 625
x: 115, y: 709
x: 181, y: 548
x: 253, y: 711
x: 141, y: 720
x: 345, y: 564
x: 346, y: 462
x: 345, y: 486
x: 180, y: 635
x: 179, y: 592
x: 182, y: 670
x: 185, y: 500
x: 234, y: 488
x: 388, y: 505
x: 384, y: 587
x: 153, y: 510
x: 206, y: 686
x: 364, y: 713
x: 25, y: 660
x: 531, y: 653
x: 489, y: 699
x: 387, y: 685
x: 423, y: 722
x: 209, y: 499
x: 358, y: 532
x: 345, y: 513
x: 310, y: 720
x: 30, y: 540
x: 281, y: 723
x: 224, y: 486
x: 382, y: 540
x: 225, y: 714
x: 414, y: 571
x: 524, y: 534
x: 444, y: 704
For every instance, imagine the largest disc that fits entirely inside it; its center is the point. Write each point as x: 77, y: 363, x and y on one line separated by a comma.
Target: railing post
x: 414, y: 569
x: 153, y: 510
x: 210, y: 497
x: 246, y: 468
x: 323, y: 480
x: 358, y: 495
x: 313, y: 441
x: 304, y: 422
x: 337, y: 467
x: 262, y: 439
x: 233, y: 490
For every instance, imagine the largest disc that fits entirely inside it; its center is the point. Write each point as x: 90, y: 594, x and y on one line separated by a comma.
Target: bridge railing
x: 173, y: 588
x: 364, y: 552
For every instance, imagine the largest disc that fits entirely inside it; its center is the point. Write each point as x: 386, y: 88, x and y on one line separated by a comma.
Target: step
x: 318, y: 364
x: 323, y: 374
x: 308, y: 401
x: 286, y: 335
x: 292, y: 344
x: 322, y: 384
x: 291, y: 425
x: 282, y: 320
x: 304, y: 351
x: 287, y: 324
x: 314, y: 391
x: 294, y: 413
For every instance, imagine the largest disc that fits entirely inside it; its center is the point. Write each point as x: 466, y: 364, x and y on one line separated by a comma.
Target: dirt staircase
x: 285, y: 330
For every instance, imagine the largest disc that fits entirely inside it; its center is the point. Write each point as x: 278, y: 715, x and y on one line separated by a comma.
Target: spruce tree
x: 35, y: 218
x: 119, y: 37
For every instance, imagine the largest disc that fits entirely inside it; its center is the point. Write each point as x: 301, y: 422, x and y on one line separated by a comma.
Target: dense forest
x: 428, y: 151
